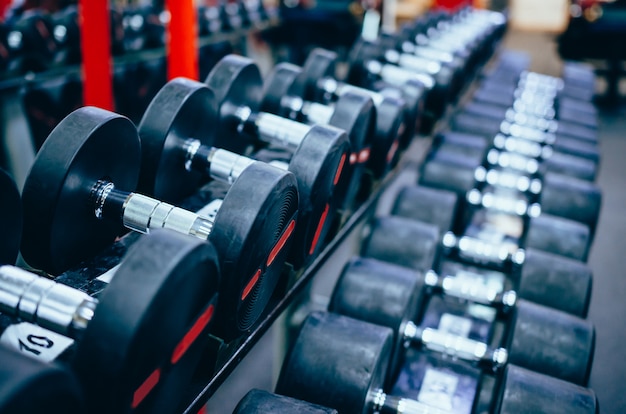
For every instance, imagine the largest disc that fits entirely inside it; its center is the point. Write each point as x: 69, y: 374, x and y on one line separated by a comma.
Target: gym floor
x: 608, y: 260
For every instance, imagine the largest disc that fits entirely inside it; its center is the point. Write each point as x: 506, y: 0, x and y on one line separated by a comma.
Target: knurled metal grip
x: 38, y: 300
x: 547, y: 125
x: 456, y: 346
x: 398, y: 76
x: 472, y: 248
x: 503, y: 204
x: 143, y: 213
x: 506, y: 179
x: 413, y: 62
x: 316, y: 113
x: 467, y: 289
x: 280, y: 131
x: 226, y: 165
x: 527, y: 108
x: 428, y: 52
x: 525, y: 132
x: 330, y: 85
x: 523, y: 147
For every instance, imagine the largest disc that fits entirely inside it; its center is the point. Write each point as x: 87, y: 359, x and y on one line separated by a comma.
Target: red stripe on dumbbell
x: 392, y: 150
x: 281, y: 242
x: 339, y: 169
x: 192, y: 334
x: 250, y: 285
x: 144, y: 389
x: 318, y: 231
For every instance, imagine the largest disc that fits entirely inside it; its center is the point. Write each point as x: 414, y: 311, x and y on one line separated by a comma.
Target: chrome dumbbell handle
x: 467, y: 289
x: 141, y: 213
x: 41, y: 301
x: 456, y: 346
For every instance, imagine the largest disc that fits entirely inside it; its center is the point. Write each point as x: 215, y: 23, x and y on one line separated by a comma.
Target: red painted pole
x: 4, y: 6
x: 451, y: 4
x: 182, y: 40
x: 96, y: 51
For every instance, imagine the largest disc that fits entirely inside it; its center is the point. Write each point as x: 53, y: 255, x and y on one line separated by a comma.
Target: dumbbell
x: 354, y: 112
x: 561, y: 129
x: 544, y: 340
x: 31, y: 42
x: 369, y: 60
x: 545, y: 93
x: 323, y: 150
x: 177, y: 133
x: 397, y: 118
x: 209, y: 19
x: 139, y: 342
x: 10, y: 219
x: 421, y: 214
x: 567, y: 109
x: 76, y: 203
x: 454, y: 64
x: 571, y: 85
x: 231, y: 14
x: 463, y: 41
x: 66, y: 32
x: 471, y: 121
x: 263, y: 402
x: 526, y: 197
x: 511, y: 153
x: 340, y: 362
x: 144, y: 27
x: 30, y: 386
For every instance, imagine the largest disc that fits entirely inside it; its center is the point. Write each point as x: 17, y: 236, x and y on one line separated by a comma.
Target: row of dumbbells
x: 486, y: 290
x: 36, y: 40
x: 439, y: 65
x: 138, y: 329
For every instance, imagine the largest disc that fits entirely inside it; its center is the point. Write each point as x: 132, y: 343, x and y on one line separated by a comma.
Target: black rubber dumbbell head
x: 337, y: 362
x: 236, y: 82
x: 559, y: 236
x: 28, y: 385
x: 555, y: 281
x: 526, y: 392
x: 552, y: 342
x: 181, y: 110
x: 402, y: 241
x: 428, y: 205
x: 571, y: 198
x: 87, y: 146
x: 398, y: 299
x: 150, y: 326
